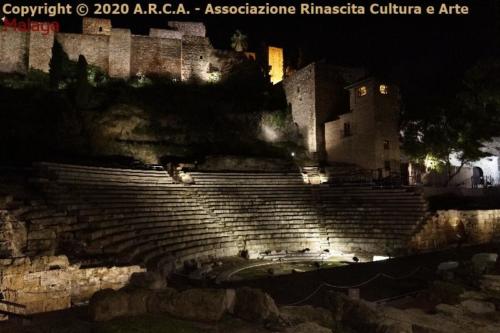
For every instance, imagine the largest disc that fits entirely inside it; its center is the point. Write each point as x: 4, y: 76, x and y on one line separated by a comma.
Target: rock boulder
x: 138, y: 301
x: 302, y: 314
x: 207, y: 305
x: 108, y: 304
x: 159, y: 302
x: 358, y: 314
x: 148, y: 280
x: 477, y: 307
x: 254, y: 305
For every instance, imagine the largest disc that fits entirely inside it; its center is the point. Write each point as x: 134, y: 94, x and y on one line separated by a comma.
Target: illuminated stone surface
x: 276, y: 64
x: 45, y: 284
x: 183, y: 53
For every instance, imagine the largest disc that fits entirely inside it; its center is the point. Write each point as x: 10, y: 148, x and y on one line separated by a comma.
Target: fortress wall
x: 155, y: 56
x: 189, y: 28
x: 96, y: 26
x: 40, y: 50
x: 94, y: 48
x: 183, y: 54
x: 13, y: 51
x: 120, y: 53
x: 196, y: 52
x: 164, y: 33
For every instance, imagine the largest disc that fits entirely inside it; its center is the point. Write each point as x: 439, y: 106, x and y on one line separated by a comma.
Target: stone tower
x: 345, y: 117
x: 316, y: 95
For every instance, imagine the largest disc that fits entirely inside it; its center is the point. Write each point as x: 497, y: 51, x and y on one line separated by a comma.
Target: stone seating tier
x: 144, y: 217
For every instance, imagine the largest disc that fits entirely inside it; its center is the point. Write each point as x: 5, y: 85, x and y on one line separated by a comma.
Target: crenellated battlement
x: 182, y: 52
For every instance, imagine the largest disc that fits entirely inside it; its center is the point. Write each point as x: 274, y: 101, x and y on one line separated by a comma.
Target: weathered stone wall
x: 331, y: 100
x: 95, y: 26
x: 446, y: 227
x: 40, y: 50
x: 50, y: 283
x: 13, y: 51
x: 183, y: 53
x: 120, y: 47
x: 164, y: 33
x: 94, y: 48
x: 196, y: 52
x: 13, y: 235
x: 316, y: 95
x: 155, y: 56
x: 189, y: 28
x: 300, y: 94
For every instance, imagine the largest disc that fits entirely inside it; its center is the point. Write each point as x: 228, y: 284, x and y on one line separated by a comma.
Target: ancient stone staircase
x: 133, y: 216
x: 265, y: 211
x: 368, y: 219
x: 104, y: 216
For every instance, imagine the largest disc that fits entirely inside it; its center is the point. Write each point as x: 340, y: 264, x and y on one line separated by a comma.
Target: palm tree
x: 239, y: 41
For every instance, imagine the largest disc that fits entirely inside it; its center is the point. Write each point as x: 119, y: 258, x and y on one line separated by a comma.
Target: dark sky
x: 418, y: 49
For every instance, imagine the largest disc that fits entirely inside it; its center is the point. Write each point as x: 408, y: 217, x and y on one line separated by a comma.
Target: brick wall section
x: 40, y: 50
x: 94, y: 48
x: 13, y: 51
x: 156, y: 55
x: 440, y: 230
x: 50, y: 283
x: 120, y: 45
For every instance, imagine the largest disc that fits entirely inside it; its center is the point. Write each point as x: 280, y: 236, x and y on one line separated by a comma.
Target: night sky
x: 430, y: 51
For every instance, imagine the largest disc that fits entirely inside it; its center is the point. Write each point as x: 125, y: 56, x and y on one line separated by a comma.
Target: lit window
x: 347, y: 129
x: 386, y: 144
x: 384, y: 89
x: 362, y: 91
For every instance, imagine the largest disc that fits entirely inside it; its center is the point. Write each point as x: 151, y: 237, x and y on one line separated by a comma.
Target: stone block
x: 478, y: 307
x: 254, y: 305
x: 108, y: 304
x: 208, y: 305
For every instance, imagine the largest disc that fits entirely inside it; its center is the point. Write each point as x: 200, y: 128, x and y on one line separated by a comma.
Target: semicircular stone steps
x: 143, y: 216
x: 132, y: 216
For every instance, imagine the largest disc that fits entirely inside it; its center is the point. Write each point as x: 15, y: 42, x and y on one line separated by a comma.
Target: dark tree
x: 458, y: 123
x: 57, y: 64
x: 83, y: 87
